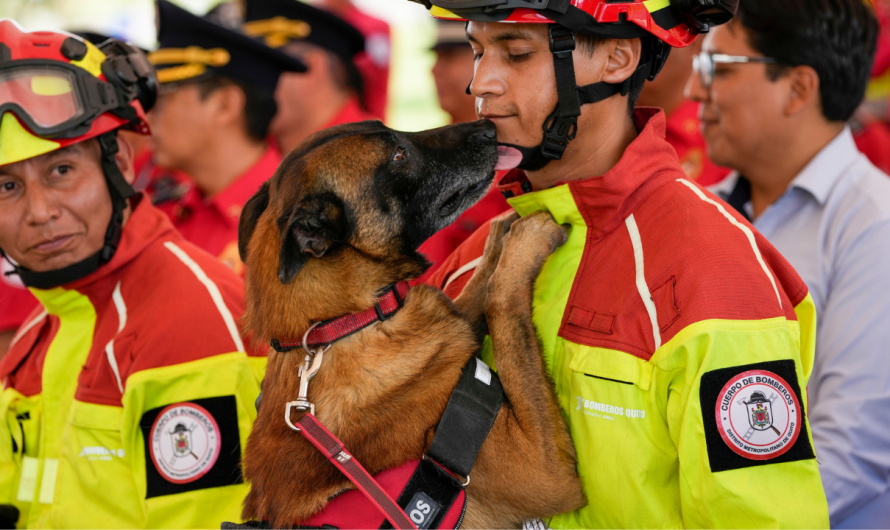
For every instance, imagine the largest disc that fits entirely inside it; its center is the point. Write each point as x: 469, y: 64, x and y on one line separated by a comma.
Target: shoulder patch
x: 191, y: 445
x: 753, y: 416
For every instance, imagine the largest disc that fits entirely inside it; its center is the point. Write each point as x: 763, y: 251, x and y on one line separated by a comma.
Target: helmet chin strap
x: 120, y: 190
x: 561, y: 126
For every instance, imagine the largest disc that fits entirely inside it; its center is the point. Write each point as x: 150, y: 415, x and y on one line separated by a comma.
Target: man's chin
x: 53, y: 263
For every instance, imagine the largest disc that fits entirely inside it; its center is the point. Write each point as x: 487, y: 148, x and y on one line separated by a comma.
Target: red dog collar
x: 335, y: 329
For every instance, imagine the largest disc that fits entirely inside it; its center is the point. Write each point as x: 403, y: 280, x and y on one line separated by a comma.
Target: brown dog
x: 342, y: 218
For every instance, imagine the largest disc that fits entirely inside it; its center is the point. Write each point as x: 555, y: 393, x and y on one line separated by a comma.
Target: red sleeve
x: 15, y: 306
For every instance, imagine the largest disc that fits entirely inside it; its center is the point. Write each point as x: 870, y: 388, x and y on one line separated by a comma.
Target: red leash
x: 332, y: 448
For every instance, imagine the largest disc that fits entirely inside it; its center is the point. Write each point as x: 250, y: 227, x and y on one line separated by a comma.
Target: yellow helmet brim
x: 17, y: 143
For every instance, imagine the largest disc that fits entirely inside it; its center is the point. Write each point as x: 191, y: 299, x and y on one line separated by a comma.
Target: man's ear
x: 804, y: 92
x: 125, y: 158
x: 314, y: 227
x: 249, y: 217
x: 623, y: 59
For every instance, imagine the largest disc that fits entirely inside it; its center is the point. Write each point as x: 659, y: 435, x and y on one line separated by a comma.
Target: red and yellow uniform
x: 128, y: 396
x: 685, y: 137
x: 680, y: 343
x: 212, y: 223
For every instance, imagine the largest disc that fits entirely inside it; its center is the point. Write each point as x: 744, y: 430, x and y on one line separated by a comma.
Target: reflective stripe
x: 39, y: 318
x: 463, y: 270
x: 48, y: 483
x: 740, y: 226
x: 28, y: 479
x: 212, y: 289
x: 641, y: 278
x: 122, y: 321
x: 655, y: 5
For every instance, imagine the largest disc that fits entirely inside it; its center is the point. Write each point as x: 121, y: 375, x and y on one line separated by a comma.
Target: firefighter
x: 128, y: 394
x: 211, y: 124
x: 665, y: 311
x: 330, y: 92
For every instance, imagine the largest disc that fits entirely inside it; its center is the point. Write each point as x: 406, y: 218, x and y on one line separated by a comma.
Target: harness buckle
x: 562, y: 41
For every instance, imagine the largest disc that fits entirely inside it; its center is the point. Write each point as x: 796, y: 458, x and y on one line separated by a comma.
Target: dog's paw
x: 536, y: 234
x: 494, y: 245
x: 527, y: 246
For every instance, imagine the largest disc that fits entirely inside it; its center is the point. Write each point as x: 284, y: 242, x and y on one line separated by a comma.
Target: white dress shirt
x: 833, y: 225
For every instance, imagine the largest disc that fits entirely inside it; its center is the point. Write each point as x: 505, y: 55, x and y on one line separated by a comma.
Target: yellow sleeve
x: 185, y: 428
x: 736, y: 411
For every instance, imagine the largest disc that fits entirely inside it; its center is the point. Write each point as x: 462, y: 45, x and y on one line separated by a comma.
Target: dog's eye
x: 399, y: 155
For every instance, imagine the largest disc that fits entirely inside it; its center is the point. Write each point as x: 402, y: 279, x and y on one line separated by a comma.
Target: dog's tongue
x: 508, y: 158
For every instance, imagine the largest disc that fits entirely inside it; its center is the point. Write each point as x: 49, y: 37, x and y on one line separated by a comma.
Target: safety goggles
x: 705, y: 64
x: 54, y: 99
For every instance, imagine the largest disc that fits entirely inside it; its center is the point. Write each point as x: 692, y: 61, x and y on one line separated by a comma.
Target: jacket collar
x: 603, y: 202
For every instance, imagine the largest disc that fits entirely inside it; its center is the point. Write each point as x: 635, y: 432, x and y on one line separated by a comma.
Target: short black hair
x: 837, y: 38
x: 259, y: 105
x: 588, y: 43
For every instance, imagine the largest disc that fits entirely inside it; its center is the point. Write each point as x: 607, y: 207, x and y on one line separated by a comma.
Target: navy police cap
x: 280, y: 22
x: 190, y: 47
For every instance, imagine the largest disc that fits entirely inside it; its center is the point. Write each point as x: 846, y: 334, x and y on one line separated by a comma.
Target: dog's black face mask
x: 434, y: 176
x: 380, y: 192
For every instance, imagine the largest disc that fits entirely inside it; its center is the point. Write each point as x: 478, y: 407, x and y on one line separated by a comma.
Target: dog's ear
x: 313, y: 227
x: 249, y: 217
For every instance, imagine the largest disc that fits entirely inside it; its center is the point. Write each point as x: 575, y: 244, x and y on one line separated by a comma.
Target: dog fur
x: 320, y: 240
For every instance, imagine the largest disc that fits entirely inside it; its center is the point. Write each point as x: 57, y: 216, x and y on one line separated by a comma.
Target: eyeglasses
x: 705, y: 64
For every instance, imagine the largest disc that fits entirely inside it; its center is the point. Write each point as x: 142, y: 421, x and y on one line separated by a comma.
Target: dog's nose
x: 485, y: 131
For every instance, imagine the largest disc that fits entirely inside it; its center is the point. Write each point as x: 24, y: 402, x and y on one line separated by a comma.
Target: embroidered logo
x: 185, y: 442
x: 758, y: 415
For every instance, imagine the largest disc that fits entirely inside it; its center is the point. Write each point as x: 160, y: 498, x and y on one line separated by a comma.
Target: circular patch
x: 185, y: 442
x: 758, y: 414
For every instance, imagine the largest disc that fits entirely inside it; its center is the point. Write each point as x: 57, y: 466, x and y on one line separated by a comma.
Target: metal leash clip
x: 311, y: 364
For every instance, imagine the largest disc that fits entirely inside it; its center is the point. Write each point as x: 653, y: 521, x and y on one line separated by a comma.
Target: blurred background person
x: 682, y: 130
x: 212, y: 123
x: 328, y: 94
x: 453, y: 72
x: 374, y: 61
x: 777, y: 86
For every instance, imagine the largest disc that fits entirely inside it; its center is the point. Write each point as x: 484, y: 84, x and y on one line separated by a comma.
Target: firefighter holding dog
x: 128, y: 394
x: 679, y: 341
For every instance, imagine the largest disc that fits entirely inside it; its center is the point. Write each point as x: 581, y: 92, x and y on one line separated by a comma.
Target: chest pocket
x: 94, y: 468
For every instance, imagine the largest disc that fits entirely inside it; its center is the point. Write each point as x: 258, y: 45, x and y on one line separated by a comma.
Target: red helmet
x: 57, y: 89
x: 671, y: 22
x: 675, y: 22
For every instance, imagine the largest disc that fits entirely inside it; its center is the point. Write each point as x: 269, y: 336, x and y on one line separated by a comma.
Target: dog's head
x: 364, y: 192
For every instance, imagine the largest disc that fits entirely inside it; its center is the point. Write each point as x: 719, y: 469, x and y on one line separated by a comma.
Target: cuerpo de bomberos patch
x: 758, y: 414
x: 753, y: 415
x: 185, y: 442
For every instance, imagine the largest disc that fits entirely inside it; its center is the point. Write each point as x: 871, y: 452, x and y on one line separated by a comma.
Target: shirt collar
x: 230, y: 201
x: 827, y: 167
x: 605, y: 201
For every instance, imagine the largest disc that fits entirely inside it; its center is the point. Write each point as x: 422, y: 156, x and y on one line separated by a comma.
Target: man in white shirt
x: 777, y: 86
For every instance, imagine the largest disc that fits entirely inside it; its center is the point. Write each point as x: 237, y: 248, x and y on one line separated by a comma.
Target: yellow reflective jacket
x: 680, y: 343
x: 128, y: 399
